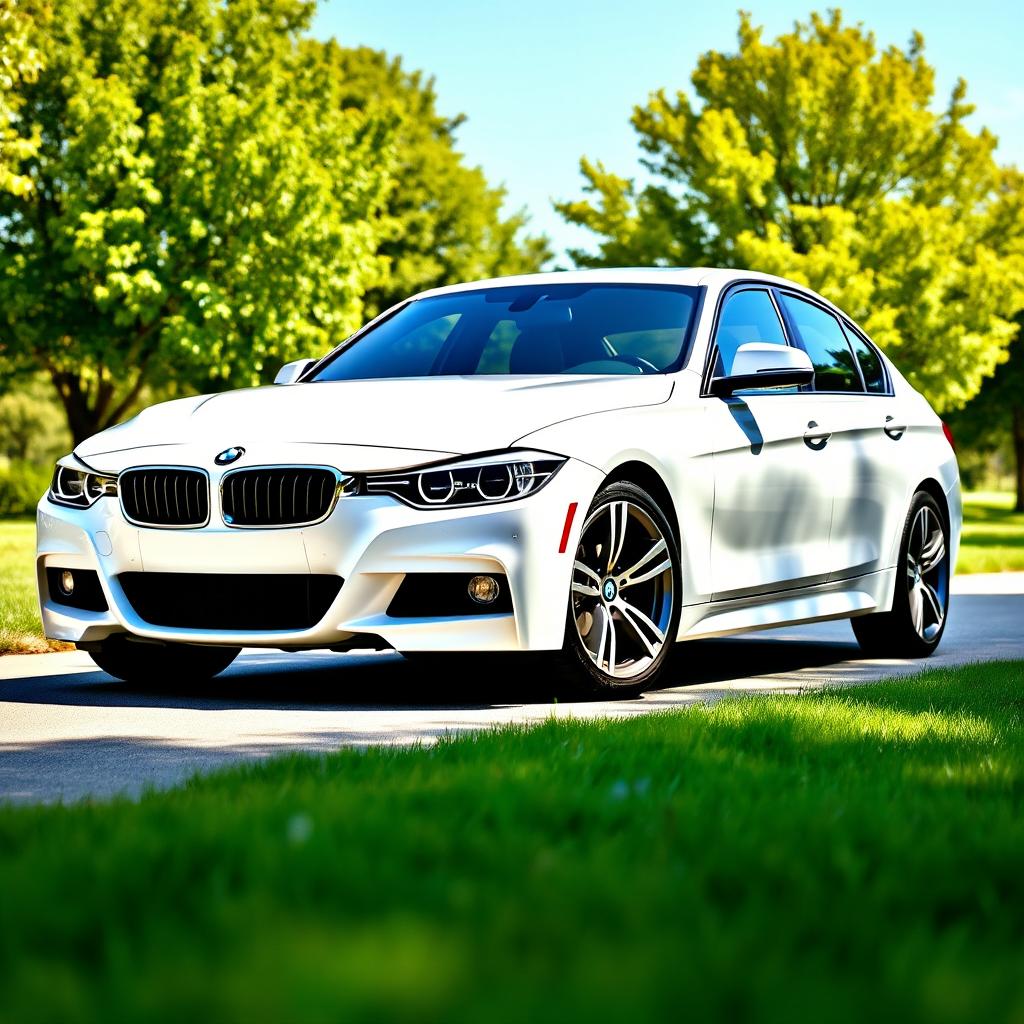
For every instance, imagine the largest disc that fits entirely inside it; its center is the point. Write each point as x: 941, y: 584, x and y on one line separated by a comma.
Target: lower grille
x: 237, y: 601
x: 279, y: 495
x: 165, y: 496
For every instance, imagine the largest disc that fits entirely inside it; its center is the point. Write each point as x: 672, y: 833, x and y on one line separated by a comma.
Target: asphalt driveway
x: 69, y: 731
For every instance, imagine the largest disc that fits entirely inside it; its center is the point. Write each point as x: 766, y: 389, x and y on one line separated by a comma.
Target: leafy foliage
x: 820, y: 158
x: 202, y: 203
x: 20, y: 63
x: 32, y: 427
x: 22, y: 484
x: 444, y: 222
x: 995, y: 418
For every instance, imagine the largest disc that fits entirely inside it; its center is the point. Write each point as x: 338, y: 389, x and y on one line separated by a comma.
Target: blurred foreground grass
x: 843, y: 856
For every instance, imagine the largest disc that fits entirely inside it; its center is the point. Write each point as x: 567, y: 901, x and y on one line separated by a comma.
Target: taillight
x: 949, y: 435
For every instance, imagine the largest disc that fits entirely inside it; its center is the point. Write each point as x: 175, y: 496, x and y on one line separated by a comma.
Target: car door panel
x: 773, y: 506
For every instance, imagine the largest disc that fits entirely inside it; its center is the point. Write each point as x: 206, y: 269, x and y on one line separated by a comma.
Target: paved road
x: 68, y: 730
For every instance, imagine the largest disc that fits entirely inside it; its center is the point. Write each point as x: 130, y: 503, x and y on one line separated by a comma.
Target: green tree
x: 445, y: 222
x: 994, y: 419
x: 20, y: 63
x: 821, y: 158
x: 201, y: 204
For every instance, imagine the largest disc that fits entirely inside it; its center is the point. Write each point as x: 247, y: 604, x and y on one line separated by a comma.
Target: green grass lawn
x: 845, y: 856
x: 20, y: 628
x: 993, y: 538
x: 993, y: 541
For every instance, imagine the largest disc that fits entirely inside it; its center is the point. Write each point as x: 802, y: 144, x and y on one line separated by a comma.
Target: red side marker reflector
x: 949, y: 435
x: 569, y: 516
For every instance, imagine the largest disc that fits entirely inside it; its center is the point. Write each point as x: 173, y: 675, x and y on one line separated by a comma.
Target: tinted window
x: 819, y: 333
x: 747, y: 316
x: 538, y: 329
x: 870, y: 363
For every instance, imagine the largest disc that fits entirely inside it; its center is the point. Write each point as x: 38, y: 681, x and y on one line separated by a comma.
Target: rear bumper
x: 370, y: 542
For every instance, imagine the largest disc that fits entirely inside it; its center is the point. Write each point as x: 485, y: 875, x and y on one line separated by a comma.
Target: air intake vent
x: 230, y: 601
x: 165, y: 496
x: 280, y: 495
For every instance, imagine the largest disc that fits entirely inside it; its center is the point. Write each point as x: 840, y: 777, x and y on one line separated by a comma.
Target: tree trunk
x: 1018, y: 452
x: 90, y: 410
x: 83, y: 419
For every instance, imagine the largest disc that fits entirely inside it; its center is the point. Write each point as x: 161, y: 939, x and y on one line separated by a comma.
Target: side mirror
x: 759, y: 365
x: 291, y: 372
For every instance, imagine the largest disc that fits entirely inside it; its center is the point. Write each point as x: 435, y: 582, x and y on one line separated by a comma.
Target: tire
x: 616, y: 643
x: 920, y: 607
x: 178, y: 664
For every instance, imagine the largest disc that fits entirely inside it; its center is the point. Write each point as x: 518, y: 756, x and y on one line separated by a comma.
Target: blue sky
x: 543, y: 83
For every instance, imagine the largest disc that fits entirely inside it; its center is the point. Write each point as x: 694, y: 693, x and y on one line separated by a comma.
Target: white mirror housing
x: 758, y: 364
x: 291, y: 372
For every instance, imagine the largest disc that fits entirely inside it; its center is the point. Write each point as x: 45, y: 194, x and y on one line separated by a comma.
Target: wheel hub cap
x: 610, y: 590
x: 927, y: 574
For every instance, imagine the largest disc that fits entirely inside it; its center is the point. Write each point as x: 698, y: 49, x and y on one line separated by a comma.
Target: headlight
x: 79, y: 489
x: 480, y: 480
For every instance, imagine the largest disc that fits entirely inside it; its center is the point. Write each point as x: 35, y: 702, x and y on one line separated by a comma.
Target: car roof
x: 715, y: 277
x: 616, y: 275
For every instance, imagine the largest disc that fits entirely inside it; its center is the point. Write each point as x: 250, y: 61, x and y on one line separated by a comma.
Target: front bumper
x: 371, y: 542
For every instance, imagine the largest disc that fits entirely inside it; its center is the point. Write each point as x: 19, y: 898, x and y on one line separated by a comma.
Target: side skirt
x: 839, y: 599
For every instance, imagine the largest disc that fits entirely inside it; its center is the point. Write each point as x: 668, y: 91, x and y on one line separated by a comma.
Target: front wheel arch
x: 646, y: 477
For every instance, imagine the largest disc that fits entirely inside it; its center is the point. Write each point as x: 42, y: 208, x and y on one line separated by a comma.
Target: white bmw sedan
x: 590, y: 464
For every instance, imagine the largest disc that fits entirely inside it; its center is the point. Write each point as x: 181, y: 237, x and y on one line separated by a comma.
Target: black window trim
x: 795, y: 331
x: 851, y: 328
x: 846, y: 325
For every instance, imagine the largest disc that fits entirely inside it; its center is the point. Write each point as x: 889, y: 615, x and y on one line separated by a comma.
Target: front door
x: 773, y: 497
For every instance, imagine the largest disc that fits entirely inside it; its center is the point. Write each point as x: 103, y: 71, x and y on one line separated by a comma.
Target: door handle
x: 894, y: 430
x: 815, y: 437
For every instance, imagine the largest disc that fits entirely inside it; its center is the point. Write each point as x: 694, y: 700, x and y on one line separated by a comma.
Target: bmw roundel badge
x: 229, y: 455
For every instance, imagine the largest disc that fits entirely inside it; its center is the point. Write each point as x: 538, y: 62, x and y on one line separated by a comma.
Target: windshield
x: 534, y: 329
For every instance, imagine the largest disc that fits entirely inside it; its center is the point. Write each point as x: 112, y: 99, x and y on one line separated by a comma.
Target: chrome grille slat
x: 305, y: 495
x: 152, y: 496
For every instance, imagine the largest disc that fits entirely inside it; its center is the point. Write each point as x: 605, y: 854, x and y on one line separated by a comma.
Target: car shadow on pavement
x: 385, y: 680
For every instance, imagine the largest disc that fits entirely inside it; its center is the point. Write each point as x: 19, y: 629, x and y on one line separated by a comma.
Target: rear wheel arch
x: 932, y: 486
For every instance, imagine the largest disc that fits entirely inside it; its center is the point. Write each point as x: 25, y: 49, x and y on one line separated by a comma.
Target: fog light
x: 67, y: 581
x: 483, y: 589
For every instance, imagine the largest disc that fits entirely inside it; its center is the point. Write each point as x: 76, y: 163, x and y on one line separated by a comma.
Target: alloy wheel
x: 622, y: 589
x: 927, y: 573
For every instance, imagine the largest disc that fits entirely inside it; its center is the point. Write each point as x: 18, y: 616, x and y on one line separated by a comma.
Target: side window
x: 747, y: 316
x: 835, y: 368
x: 870, y: 363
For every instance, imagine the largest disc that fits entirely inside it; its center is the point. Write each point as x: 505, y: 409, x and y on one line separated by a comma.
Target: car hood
x: 380, y: 424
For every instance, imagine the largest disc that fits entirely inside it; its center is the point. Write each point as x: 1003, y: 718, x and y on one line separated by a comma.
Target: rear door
x: 773, y: 499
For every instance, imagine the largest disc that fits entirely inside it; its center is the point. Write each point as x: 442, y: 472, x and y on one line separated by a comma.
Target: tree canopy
x: 200, y: 205
x: 444, y: 221
x: 20, y: 63
x: 820, y: 157
x: 994, y: 418
x: 193, y: 193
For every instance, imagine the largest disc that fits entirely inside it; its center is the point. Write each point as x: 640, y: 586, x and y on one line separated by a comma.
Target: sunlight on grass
x: 993, y: 537
x: 840, y: 856
x: 20, y: 628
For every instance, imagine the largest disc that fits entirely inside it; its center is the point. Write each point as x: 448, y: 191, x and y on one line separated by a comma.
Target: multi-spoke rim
x: 622, y: 589
x: 927, y: 573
